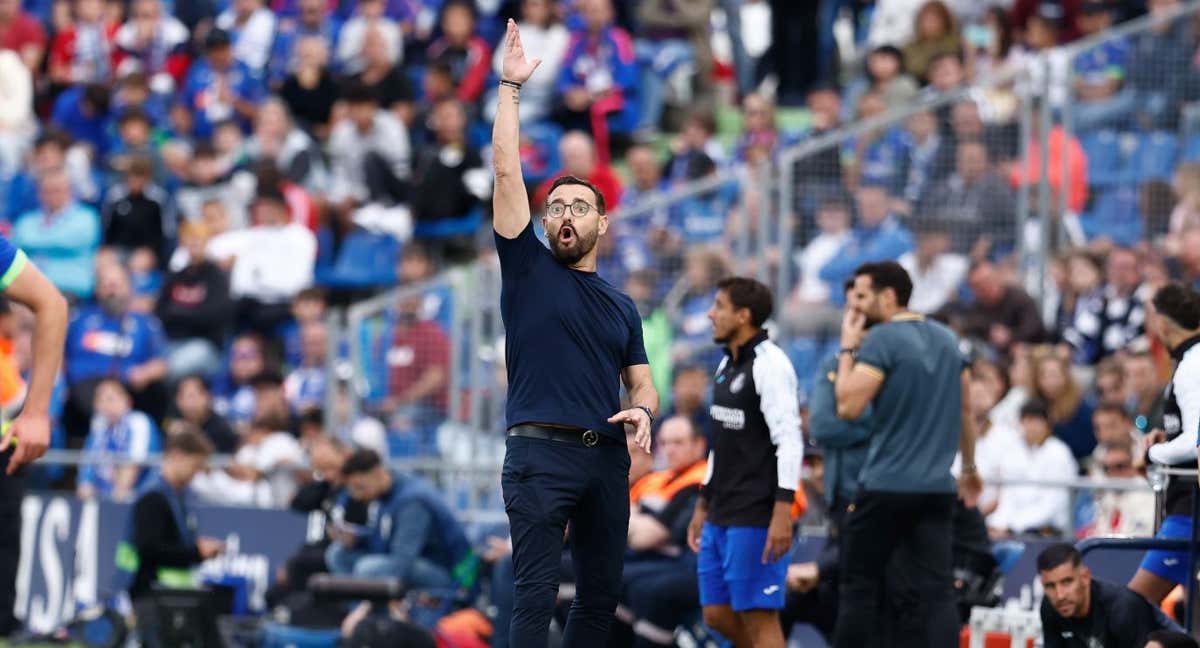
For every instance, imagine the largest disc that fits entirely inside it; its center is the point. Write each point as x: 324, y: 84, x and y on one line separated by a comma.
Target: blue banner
x: 68, y: 546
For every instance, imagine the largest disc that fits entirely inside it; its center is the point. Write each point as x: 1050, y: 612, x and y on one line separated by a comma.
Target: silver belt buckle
x: 590, y: 438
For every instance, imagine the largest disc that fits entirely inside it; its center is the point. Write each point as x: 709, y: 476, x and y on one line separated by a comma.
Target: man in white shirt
x: 833, y: 221
x: 935, y: 270
x: 369, y: 153
x: 253, y: 28
x: 274, y: 263
x: 1040, y: 456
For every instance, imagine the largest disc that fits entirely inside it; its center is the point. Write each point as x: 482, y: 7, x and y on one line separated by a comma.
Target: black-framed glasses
x: 579, y: 209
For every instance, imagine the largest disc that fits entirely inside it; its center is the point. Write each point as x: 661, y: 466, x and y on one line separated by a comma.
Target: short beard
x: 569, y: 256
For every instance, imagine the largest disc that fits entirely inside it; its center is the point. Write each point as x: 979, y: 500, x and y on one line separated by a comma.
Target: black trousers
x: 12, y: 491
x: 546, y: 485
x: 919, y: 610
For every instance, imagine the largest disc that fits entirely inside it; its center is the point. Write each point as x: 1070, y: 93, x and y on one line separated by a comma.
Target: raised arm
x: 510, y: 202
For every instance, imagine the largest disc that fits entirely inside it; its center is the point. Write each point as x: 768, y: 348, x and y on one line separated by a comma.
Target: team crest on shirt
x: 737, y: 383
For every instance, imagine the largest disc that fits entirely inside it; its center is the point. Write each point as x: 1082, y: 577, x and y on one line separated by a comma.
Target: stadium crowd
x: 207, y: 179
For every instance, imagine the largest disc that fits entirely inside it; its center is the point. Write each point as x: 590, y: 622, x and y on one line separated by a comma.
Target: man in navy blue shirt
x: 572, y: 339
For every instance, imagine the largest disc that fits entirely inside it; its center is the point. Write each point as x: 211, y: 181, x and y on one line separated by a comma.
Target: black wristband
x: 647, y: 411
x: 512, y: 84
x: 853, y: 352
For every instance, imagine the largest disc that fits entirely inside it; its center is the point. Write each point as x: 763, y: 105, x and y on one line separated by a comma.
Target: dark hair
x: 116, y: 382
x: 1057, y: 554
x: 357, y: 92
x: 704, y: 119
x: 318, y: 294
x: 53, y: 137
x: 888, y: 274
x: 956, y: 55
x: 96, y: 95
x: 848, y: 285
x: 139, y: 166
x: 1004, y: 29
x: 461, y: 4
x: 197, y: 378
x: 266, y: 378
x: 133, y: 113
x: 886, y: 50
x: 313, y: 416
x: 1171, y: 639
x: 204, y: 149
x: 1035, y: 408
x: 1179, y: 303
x: 574, y: 180
x: 744, y: 292
x: 1111, y: 407
x: 187, y: 439
x: 362, y: 461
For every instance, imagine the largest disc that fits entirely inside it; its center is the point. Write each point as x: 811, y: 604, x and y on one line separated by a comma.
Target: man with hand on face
x: 911, y: 373
x: 742, y: 526
x: 1079, y: 611
x: 570, y: 336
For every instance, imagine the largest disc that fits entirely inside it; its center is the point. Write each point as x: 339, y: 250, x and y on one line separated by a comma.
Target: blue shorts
x: 731, y: 572
x: 1171, y: 565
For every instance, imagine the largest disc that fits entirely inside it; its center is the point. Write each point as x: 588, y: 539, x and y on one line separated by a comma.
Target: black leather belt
x: 586, y: 438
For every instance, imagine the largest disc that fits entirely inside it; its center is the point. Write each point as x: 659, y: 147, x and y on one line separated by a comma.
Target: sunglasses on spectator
x: 579, y: 209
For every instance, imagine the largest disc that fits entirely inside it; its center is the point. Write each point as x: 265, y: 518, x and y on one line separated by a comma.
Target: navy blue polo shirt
x: 569, y: 335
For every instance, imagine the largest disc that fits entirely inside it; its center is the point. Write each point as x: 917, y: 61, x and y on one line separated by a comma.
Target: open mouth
x: 566, y: 235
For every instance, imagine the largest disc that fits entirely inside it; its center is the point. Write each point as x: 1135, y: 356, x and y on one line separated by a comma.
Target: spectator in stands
x: 305, y: 386
x: 646, y: 173
x: 659, y: 582
x: 1127, y: 513
x: 689, y: 396
x: 543, y: 34
x: 1040, y: 510
x: 579, y: 158
x: 270, y: 401
x: 976, y: 203
x: 369, y: 153
x: 697, y: 139
x: 1144, y: 398
x: 21, y: 32
x: 1101, y: 97
x: 60, y: 236
x: 312, y: 19
x: 265, y: 469
x: 1155, y: 57
x: 1117, y: 315
x: 450, y: 184
x: 947, y: 73
x: 117, y: 432
x: 833, y: 234
x: 84, y: 51
x: 1000, y: 314
x: 823, y: 171
x: 275, y: 263
x: 992, y: 47
x: 1070, y: 411
x: 418, y: 370
x: 411, y: 535
x: 251, y: 26
x: 929, y: 159
x: 309, y: 306
x: 276, y: 141
x: 935, y: 32
x: 194, y: 308
x: 759, y: 130
x: 468, y: 56
x: 1064, y: 13
x: 309, y: 89
x: 1113, y: 426
x: 369, y: 14
x: 235, y: 396
x: 82, y: 112
x: 1000, y: 139
x: 17, y: 119
x: 386, y: 78
x: 883, y: 73
x: 1078, y: 280
x: 194, y: 404
x: 936, y: 270
x: 1081, y: 611
x: 1185, y: 264
x: 671, y: 44
x: 880, y: 154
x: 994, y: 439
x: 106, y: 340
x: 703, y: 267
x: 1185, y: 184
x: 1110, y: 382
x: 134, y: 133
x: 598, y: 83
x: 879, y: 236
x: 136, y: 211
x: 219, y: 87
x: 155, y: 44
x: 357, y: 431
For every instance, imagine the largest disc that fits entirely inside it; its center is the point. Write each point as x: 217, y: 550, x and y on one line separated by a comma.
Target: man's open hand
x: 514, y: 67
x: 637, y: 417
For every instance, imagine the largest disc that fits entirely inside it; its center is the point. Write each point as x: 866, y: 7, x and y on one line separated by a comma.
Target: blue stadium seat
x: 365, y: 260
x: 1007, y: 553
x: 1153, y: 157
x: 274, y: 635
x: 1115, y: 215
x: 1103, y: 150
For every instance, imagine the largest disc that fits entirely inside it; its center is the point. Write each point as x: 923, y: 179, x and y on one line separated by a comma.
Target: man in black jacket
x: 194, y: 306
x: 1089, y: 613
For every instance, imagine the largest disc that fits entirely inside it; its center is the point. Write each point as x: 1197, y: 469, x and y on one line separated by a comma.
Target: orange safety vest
x: 665, y: 484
